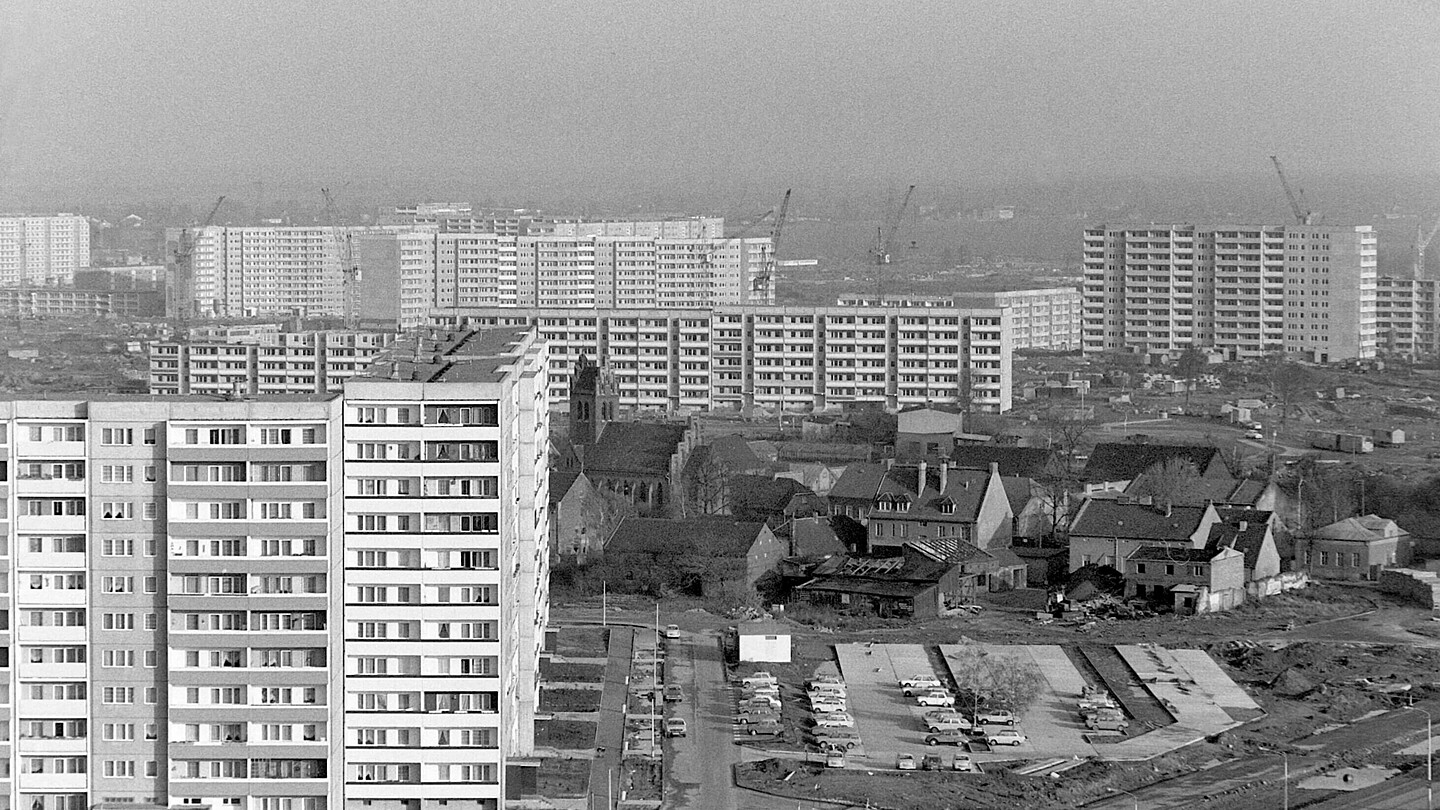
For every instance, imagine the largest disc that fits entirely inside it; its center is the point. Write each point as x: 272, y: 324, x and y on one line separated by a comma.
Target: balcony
x: 49, y: 486
x: 50, y: 524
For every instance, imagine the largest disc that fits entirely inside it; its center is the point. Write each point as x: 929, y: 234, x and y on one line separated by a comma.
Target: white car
x: 770, y: 689
x: 999, y: 717
x: 917, y: 683
x: 758, y: 678
x: 935, y: 697
x: 1255, y: 435
x: 763, y: 701
x: 827, y: 705
x: 834, y: 720
x: 672, y: 631
x: 905, y: 762
x: 1005, y: 736
x: 963, y: 762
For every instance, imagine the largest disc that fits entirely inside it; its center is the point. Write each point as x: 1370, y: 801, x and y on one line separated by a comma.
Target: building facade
x: 69, y: 301
x: 771, y: 357
x: 263, y: 604
x: 264, y: 364
x: 394, y: 275
x: 42, y: 250
x: 1246, y: 291
x: 1047, y: 319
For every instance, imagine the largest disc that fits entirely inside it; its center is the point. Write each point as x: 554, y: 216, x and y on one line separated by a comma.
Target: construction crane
x: 350, y: 287
x: 762, y: 279
x: 180, y: 306
x: 707, y: 258
x: 885, y: 243
x: 1303, y: 215
x: 1422, y: 241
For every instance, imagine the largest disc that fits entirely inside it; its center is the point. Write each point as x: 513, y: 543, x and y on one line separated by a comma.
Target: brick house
x: 937, y: 501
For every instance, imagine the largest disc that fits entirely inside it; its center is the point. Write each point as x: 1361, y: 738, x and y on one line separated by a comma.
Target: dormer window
x: 946, y: 506
x: 902, y: 504
x: 884, y: 505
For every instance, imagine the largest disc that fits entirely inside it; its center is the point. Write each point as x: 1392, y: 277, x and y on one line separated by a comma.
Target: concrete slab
x: 1052, y: 723
x: 1205, y: 670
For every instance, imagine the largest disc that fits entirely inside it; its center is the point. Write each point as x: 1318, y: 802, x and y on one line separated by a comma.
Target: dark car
x: 932, y: 762
x: 947, y: 738
x: 673, y: 693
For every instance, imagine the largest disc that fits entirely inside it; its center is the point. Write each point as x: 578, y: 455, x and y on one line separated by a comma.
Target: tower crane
x: 1303, y: 215
x: 1422, y: 241
x: 885, y: 241
x: 350, y: 287
x: 183, y: 301
x: 763, y: 278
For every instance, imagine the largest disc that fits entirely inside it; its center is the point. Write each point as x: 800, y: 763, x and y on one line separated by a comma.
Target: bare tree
x: 995, y: 679
x: 1067, y: 432
x: 603, y: 512
x: 1289, y: 383
x: 1190, y: 365
x: 706, y: 485
x: 1167, y: 480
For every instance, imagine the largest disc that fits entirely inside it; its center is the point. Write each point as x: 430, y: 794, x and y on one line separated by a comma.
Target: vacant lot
x: 563, y: 778
x: 582, y: 642
x: 563, y: 672
x: 565, y: 734
x: 569, y: 700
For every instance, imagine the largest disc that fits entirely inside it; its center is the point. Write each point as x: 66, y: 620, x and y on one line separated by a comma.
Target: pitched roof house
x: 938, y: 501
x: 725, y: 556
x: 1106, y: 530
x: 1251, y: 532
x: 1353, y: 548
x: 1113, y: 465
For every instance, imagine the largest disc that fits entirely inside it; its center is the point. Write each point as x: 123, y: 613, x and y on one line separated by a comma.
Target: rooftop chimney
x: 944, y: 475
x: 1244, y: 524
x: 924, y: 468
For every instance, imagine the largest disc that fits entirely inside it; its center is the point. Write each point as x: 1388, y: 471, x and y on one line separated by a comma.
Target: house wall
x: 1337, y: 559
x: 764, y: 556
x: 915, y: 446
x: 1267, y: 562
x: 574, y: 537
x: 993, y: 525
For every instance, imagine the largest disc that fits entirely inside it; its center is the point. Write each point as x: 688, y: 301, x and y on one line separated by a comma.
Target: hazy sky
x: 514, y: 96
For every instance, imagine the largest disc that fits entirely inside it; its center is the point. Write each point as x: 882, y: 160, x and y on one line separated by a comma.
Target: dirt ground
x: 553, y: 672
x: 565, y: 734
x: 569, y: 700
x: 582, y: 642
x: 563, y: 778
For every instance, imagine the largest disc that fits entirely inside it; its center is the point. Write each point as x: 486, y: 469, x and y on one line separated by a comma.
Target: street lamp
x: 1285, y: 785
x: 1429, y: 757
x: 1127, y: 793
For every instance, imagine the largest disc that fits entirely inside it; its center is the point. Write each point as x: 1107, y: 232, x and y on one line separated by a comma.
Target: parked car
x: 674, y: 727
x: 1005, y: 736
x: 834, y: 720
x: 758, y: 678
x: 917, y: 683
x: 674, y: 693
x: 672, y: 631
x: 832, y: 680
x: 954, y: 722
x: 762, y: 700
x: 1000, y: 717
x: 932, y: 762
x: 768, y: 689
x: 1255, y: 435
x: 757, y: 712
x: 1106, y: 723
x: 905, y: 762
x: 828, y: 705
x: 767, y: 727
x: 935, y: 697
x: 946, y: 738
x: 834, y: 758
x: 826, y: 742
x: 833, y: 689
x: 963, y: 762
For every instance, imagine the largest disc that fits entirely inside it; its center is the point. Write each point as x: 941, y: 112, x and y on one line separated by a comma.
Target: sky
x: 588, y: 96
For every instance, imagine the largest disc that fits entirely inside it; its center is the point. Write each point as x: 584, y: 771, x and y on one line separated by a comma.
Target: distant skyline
x: 576, y: 99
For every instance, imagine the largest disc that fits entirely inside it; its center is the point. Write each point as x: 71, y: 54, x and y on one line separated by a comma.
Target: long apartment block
x: 264, y: 363
x: 44, y: 250
x: 773, y: 357
x: 279, y: 603
x: 394, y: 275
x: 1247, y: 291
x: 1046, y: 318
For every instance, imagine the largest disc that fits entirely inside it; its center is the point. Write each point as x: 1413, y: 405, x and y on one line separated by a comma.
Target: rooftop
x: 1102, y: 517
x: 1116, y: 461
x: 642, y: 448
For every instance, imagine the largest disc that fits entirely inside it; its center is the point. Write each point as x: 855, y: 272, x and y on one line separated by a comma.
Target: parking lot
x: 1201, y: 698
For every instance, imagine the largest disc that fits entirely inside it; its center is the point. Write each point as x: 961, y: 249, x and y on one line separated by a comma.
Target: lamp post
x: 1285, y: 785
x: 1429, y: 757
x: 1127, y: 793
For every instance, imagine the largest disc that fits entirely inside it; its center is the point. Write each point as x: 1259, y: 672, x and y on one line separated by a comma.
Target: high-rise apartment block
x: 1246, y: 291
x: 42, y: 250
x: 795, y: 358
x: 393, y: 276
x: 289, y: 603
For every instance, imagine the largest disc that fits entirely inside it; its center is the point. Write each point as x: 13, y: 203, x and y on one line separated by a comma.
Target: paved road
x: 610, y: 733
x: 1400, y: 793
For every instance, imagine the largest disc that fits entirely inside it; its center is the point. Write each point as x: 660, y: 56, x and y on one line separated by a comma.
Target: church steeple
x: 592, y: 402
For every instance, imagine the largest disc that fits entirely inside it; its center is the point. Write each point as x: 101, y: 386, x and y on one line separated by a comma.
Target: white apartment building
x: 265, y: 363
x: 42, y: 250
x: 771, y: 357
x: 262, y: 604
x: 1047, y: 318
x: 397, y: 274
x: 1247, y: 291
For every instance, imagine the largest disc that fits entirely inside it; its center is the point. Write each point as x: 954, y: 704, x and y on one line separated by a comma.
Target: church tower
x: 592, y: 402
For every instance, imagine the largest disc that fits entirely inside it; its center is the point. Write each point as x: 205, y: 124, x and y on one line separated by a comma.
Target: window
x: 117, y: 584
x: 117, y: 621
x: 118, y: 732
x: 117, y: 548
x: 117, y: 658
x: 116, y: 510
x: 117, y: 436
x: 1324, y: 558
x: 115, y: 695
x: 151, y: 660
x: 149, y: 511
x: 1355, y: 559
x: 149, y: 436
x: 117, y: 474
x: 275, y: 435
x: 149, y: 472
x: 1139, y: 568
